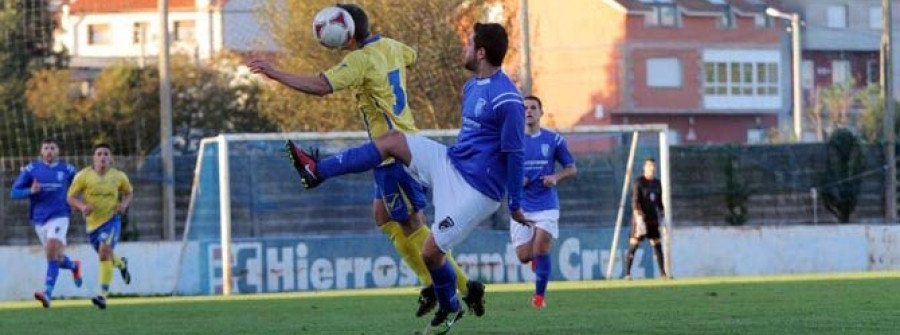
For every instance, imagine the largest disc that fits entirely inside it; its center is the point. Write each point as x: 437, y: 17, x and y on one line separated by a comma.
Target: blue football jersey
x: 493, y: 123
x: 542, y: 151
x: 54, y: 180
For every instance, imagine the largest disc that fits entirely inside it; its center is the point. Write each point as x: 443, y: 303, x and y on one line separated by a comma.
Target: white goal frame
x: 223, y: 141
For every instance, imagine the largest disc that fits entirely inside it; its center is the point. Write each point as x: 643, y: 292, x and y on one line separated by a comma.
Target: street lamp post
x: 794, y: 18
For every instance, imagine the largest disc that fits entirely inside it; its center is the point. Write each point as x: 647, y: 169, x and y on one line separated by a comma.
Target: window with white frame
x: 837, y: 16
x: 140, y: 31
x: 741, y: 78
x: 663, y: 14
x: 663, y: 72
x: 762, y: 21
x: 757, y: 135
x: 873, y: 69
x: 184, y: 31
x: 876, y: 20
x: 807, y: 75
x: 726, y: 19
x: 99, y: 34
x: 840, y: 71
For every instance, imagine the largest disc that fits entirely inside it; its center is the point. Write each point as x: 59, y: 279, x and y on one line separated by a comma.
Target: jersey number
x: 394, y: 79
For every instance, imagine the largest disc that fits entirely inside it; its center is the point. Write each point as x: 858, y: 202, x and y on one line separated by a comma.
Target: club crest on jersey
x: 545, y: 150
x: 447, y: 223
x: 479, y: 106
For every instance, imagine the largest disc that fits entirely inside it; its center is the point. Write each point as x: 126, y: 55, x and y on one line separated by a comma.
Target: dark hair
x: 49, y: 140
x: 492, y: 38
x: 101, y: 145
x: 540, y: 104
x: 650, y: 160
x: 360, y: 20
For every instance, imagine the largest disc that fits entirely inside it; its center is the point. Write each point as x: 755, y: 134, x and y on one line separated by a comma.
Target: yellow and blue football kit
x: 377, y: 72
x: 104, y: 225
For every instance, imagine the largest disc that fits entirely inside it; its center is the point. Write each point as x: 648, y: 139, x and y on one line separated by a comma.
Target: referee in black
x: 646, y: 201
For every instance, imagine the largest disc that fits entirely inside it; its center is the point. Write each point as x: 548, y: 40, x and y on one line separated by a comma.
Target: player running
x: 469, y: 178
x: 543, y: 148
x: 102, y: 193
x: 375, y: 68
x: 45, y: 182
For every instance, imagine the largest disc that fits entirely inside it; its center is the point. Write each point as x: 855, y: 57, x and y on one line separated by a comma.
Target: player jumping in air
x: 102, y: 193
x: 543, y: 148
x: 375, y: 68
x: 469, y: 178
x: 45, y: 182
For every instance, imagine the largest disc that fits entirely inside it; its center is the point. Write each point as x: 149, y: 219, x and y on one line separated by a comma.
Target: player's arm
x: 662, y: 208
x: 24, y: 186
x: 410, y: 56
x: 127, y: 193
x: 564, y: 157
x: 72, y: 197
x: 315, y: 85
x: 636, y: 199
x: 512, y: 146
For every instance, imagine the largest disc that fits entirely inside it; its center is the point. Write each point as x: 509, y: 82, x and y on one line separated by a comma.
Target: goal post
x: 244, y: 189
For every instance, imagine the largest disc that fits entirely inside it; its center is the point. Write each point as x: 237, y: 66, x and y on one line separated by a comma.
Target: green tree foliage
x: 845, y: 160
x: 26, y: 45
x: 871, y: 122
x: 434, y: 84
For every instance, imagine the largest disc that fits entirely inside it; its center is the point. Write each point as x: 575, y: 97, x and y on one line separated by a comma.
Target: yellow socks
x: 408, y: 249
x: 105, y: 277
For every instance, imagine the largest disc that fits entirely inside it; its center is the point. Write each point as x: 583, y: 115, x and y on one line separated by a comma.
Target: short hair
x: 101, y: 145
x: 650, y: 160
x: 360, y: 20
x: 493, y: 39
x: 49, y: 140
x: 538, y: 100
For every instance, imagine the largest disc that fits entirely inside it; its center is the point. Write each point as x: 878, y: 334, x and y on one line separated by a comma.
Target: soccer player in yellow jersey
x: 375, y: 68
x: 102, y: 193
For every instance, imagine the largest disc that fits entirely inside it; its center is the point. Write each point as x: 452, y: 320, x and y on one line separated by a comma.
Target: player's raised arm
x: 309, y: 84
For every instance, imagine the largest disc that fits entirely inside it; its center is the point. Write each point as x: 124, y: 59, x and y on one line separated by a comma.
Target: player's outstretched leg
x: 314, y: 171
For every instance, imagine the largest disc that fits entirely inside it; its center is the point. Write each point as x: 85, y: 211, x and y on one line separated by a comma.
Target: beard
x: 471, y: 64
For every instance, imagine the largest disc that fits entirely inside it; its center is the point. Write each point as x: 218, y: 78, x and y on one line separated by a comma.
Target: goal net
x: 251, y: 221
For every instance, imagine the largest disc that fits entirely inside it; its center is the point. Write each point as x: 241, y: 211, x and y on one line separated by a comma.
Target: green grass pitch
x: 807, y: 304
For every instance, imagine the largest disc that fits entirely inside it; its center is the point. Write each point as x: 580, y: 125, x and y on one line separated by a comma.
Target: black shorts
x: 652, y: 230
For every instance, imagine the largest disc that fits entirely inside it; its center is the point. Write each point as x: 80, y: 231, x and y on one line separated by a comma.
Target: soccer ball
x: 333, y: 27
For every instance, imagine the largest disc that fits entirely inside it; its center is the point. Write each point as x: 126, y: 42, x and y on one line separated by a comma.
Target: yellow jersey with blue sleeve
x: 377, y: 72
x: 101, y: 192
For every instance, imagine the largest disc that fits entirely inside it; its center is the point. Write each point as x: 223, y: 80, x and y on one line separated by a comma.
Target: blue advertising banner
x: 314, y: 263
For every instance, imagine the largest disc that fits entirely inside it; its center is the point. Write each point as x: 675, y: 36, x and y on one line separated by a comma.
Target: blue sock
x: 67, y: 263
x: 52, y: 273
x: 353, y: 160
x: 542, y: 271
x: 444, y: 280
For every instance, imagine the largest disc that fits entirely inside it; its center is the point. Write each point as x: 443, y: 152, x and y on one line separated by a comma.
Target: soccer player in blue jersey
x: 45, y: 182
x: 543, y: 149
x: 375, y: 67
x: 468, y: 179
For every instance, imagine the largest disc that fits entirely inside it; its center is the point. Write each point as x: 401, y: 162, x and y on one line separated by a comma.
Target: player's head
x: 49, y: 150
x: 649, y: 167
x: 102, y: 156
x: 487, y: 45
x: 360, y: 21
x: 534, y: 109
